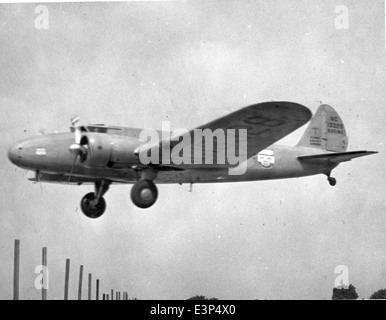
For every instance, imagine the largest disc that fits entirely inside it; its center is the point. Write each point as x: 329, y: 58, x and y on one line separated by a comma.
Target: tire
x: 332, y: 182
x: 144, y: 194
x: 92, y: 211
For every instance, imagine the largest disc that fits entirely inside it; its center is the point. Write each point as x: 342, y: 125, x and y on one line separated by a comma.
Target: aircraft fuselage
x: 49, y: 154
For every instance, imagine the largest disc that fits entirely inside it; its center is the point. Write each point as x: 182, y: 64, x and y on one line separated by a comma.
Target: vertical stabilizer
x: 326, y: 131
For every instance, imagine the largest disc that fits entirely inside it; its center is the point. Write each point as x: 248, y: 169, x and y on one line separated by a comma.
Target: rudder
x: 326, y: 131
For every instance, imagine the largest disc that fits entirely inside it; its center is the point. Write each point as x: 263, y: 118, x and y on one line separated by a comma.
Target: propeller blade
x: 75, y: 120
x: 77, y: 132
x: 72, y: 168
x: 78, y: 135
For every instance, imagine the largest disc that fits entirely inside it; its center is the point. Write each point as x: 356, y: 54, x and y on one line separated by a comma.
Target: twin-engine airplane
x: 104, y: 155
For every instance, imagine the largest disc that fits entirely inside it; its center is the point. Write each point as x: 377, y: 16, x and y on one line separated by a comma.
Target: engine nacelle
x: 104, y: 150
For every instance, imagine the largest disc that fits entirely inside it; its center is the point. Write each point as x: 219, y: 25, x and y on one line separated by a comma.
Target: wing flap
x: 64, y: 179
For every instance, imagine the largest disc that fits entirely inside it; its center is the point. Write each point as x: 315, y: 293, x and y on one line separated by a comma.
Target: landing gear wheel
x: 332, y: 181
x: 90, y: 208
x: 144, y: 194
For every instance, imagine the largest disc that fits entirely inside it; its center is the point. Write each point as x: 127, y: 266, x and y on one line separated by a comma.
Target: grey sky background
x: 138, y: 63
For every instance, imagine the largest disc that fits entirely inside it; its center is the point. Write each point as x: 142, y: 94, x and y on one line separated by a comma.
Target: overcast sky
x: 138, y: 63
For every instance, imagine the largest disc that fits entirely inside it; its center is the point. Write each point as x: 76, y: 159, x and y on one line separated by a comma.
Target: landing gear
x: 91, y: 208
x: 144, y: 194
x: 93, y: 204
x: 331, y: 180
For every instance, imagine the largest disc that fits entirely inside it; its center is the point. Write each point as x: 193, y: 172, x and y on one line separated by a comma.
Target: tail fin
x: 325, y: 131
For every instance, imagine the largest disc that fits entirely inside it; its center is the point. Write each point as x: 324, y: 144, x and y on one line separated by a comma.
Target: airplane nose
x: 14, y: 153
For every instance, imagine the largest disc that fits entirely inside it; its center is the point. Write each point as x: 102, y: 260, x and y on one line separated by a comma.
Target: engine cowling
x: 103, y: 150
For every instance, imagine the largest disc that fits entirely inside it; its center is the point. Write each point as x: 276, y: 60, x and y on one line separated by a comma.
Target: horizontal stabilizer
x: 335, y: 157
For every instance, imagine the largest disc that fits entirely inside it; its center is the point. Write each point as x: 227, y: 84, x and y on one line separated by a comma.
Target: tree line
x: 350, y: 293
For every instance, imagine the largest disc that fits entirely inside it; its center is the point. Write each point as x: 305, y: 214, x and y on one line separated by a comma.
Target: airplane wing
x: 335, y: 157
x: 74, y: 180
x: 265, y: 123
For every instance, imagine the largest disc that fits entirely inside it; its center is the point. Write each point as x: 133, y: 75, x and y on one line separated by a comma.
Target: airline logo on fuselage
x: 266, y: 159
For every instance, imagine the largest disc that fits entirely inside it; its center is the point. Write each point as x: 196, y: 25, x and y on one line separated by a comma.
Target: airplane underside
x: 180, y: 177
x: 144, y: 192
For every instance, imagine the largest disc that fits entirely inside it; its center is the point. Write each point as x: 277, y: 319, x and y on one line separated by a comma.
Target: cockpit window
x: 97, y: 129
x: 100, y: 129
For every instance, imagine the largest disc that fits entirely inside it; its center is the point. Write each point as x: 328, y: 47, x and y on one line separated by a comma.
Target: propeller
x: 77, y: 148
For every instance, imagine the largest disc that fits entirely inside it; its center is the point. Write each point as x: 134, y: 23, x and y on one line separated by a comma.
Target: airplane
x: 104, y: 155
